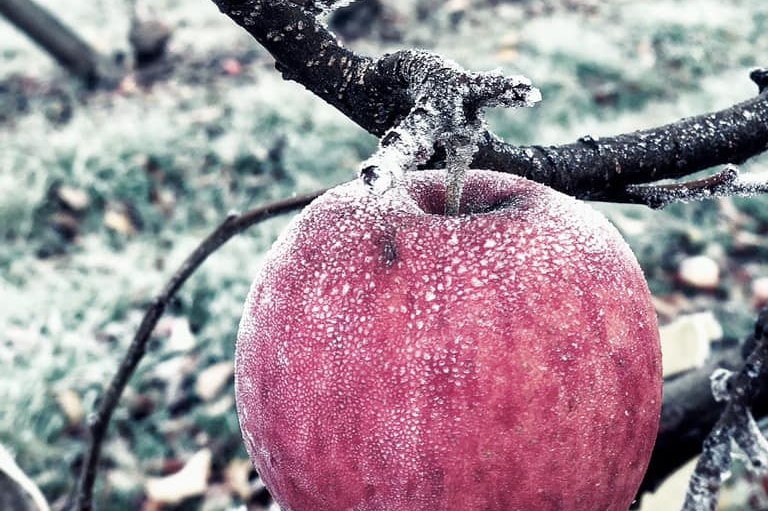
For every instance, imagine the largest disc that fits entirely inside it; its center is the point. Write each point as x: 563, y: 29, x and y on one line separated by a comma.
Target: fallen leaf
x: 213, y: 379
x: 232, y: 67
x: 119, y: 221
x: 72, y: 406
x: 190, y: 481
x: 75, y: 199
x: 182, y: 338
x: 760, y: 292
x: 700, y: 272
x: 685, y: 343
x: 237, y: 475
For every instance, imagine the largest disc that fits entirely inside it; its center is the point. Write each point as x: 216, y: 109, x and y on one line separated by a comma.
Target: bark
x: 373, y: 94
x: 688, y: 414
x: 601, y: 169
x: 61, y: 42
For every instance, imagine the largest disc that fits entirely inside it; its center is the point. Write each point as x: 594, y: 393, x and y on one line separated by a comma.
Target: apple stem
x: 459, y: 150
x: 454, y: 187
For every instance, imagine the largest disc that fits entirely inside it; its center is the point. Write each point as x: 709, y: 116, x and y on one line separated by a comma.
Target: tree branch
x: 60, y: 41
x: 82, y: 499
x: 307, y: 52
x: 601, y: 169
x: 690, y: 412
x: 376, y: 98
x: 736, y: 425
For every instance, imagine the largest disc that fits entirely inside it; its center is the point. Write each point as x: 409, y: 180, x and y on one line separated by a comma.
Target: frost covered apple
x: 392, y: 358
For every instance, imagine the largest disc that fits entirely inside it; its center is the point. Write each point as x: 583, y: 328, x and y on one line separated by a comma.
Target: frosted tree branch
x: 736, y: 424
x: 372, y: 95
x: 447, y: 112
x: 727, y: 183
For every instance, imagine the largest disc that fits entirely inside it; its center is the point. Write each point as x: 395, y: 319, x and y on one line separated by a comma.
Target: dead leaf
x: 72, y: 406
x: 685, y: 343
x: 190, y: 481
x: 119, y: 221
x: 75, y: 199
x: 213, y: 379
x: 182, y: 338
x: 760, y: 292
x: 701, y: 272
x: 237, y: 475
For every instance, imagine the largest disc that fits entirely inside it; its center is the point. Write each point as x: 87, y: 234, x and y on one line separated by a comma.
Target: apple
x: 392, y: 358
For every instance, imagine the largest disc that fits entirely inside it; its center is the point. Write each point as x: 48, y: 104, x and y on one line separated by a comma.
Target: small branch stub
x: 727, y: 183
x: 760, y: 77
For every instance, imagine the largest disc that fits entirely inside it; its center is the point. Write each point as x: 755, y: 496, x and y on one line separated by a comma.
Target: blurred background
x: 104, y: 192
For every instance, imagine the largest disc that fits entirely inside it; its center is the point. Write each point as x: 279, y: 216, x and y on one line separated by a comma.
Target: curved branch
x: 234, y: 224
x: 688, y: 413
x: 374, y: 95
x: 736, y: 425
x: 726, y: 183
x: 307, y: 52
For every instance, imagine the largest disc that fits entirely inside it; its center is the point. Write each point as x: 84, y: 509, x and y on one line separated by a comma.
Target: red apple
x: 392, y: 358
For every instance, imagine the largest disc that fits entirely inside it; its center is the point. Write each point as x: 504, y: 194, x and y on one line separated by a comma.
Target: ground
x: 102, y: 195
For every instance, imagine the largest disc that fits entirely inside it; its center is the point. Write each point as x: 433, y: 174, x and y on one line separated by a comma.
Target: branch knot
x: 447, y: 112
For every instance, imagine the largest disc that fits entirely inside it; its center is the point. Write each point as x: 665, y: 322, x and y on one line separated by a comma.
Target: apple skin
x: 391, y: 358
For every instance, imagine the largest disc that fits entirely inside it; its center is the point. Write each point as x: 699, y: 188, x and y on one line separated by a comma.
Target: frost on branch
x: 736, y: 425
x: 323, y: 7
x: 447, y: 113
x: 727, y: 183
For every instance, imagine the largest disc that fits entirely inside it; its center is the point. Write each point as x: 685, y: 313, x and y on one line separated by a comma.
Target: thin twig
x: 736, y: 424
x: 99, y: 422
x: 726, y: 183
